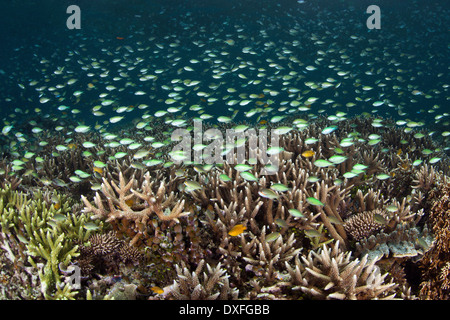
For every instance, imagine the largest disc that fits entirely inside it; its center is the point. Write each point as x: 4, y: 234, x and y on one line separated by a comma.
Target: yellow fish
x: 98, y: 170
x: 129, y: 202
x: 308, y: 154
x: 157, y: 290
x: 237, y: 230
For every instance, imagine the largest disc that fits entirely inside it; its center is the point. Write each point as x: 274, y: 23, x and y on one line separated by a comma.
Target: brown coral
x: 364, y: 224
x: 126, y: 204
x: 105, y: 252
x: 214, y: 284
x: 434, y: 265
x: 331, y: 273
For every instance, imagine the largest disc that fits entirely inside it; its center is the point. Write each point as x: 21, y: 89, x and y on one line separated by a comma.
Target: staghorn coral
x: 331, y: 273
x: 126, y: 203
x: 425, y: 178
x: 213, y: 285
x: 265, y: 257
x: 8, y: 178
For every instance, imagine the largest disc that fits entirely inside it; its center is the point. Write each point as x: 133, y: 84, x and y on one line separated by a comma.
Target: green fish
x: 279, y: 187
x: 321, y: 163
x: 269, y: 194
x: 242, y: 167
x: 272, y: 237
x: 383, y: 176
x: 315, y: 202
x: 296, y: 213
x: 248, y: 176
x: 337, y: 159
x: 224, y: 178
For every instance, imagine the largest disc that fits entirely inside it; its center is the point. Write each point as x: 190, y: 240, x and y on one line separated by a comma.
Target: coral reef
x: 353, y: 228
x: 435, y: 263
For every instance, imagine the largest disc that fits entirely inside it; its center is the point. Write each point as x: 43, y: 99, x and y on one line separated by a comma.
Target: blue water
x: 414, y: 33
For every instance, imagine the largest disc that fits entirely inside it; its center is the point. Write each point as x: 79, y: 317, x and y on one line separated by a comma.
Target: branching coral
x: 265, y: 256
x: 331, y: 273
x: 47, y: 234
x: 434, y: 264
x: 211, y: 285
x: 125, y: 203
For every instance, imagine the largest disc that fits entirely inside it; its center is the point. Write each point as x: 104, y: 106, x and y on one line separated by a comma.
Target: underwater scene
x: 224, y: 150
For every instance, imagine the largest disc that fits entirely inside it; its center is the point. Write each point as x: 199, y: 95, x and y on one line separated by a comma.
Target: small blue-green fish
x: 329, y: 130
x: 224, y: 178
x: 272, y: 237
x: 242, y: 167
x: 82, y: 129
x: 90, y: 226
x: 282, y: 130
x: 279, y: 187
x: 336, y: 159
x: 60, y: 147
x: 248, y: 176
x: 152, y: 162
x: 88, y: 144
x: 313, y: 179
x: 311, y: 233
x: 311, y: 140
x: 315, y: 202
x: 6, y: 129
x: 434, y: 160
x: 141, y: 154
x: 274, y: 150
x: 321, y: 163
x: 192, y: 185
x: 75, y: 179
x: 29, y: 155
x: 296, y: 213
x: 120, y: 155
x: 82, y: 174
x: 383, y: 176
x: 269, y: 194
x: 392, y: 208
x: 373, y: 142
x: 359, y: 167
x: 378, y: 218
x: 350, y: 175
x: 99, y: 164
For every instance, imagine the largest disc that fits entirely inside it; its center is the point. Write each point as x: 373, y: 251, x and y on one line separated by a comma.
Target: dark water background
x: 30, y: 30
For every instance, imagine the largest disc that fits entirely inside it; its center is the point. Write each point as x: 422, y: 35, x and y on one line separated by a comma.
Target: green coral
x: 49, y: 230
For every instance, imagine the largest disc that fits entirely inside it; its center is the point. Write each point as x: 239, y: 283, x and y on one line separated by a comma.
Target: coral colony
x: 228, y: 153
